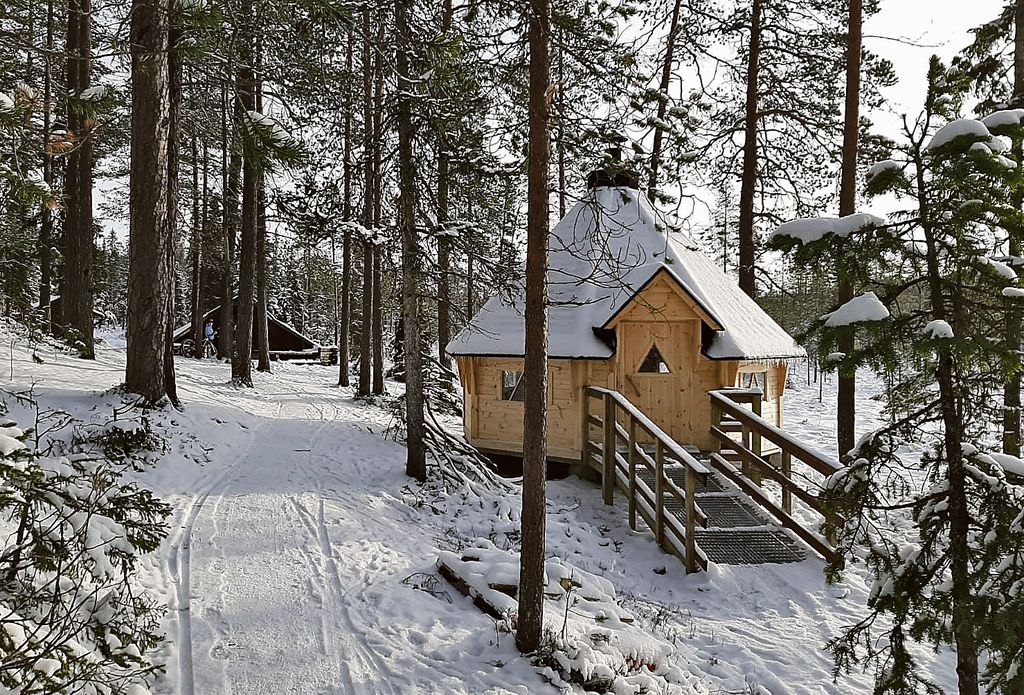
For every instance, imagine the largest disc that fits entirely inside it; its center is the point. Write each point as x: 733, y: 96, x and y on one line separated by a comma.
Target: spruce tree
x: 941, y: 531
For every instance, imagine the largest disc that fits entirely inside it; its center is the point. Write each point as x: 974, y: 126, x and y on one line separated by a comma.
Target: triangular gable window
x: 654, y: 363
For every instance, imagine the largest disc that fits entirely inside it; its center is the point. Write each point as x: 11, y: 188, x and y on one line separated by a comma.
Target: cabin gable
x: 662, y: 298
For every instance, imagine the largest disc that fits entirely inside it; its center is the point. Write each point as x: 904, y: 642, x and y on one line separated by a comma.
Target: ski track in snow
x: 319, y: 630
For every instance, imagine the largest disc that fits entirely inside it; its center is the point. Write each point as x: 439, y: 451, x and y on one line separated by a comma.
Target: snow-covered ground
x: 296, y: 563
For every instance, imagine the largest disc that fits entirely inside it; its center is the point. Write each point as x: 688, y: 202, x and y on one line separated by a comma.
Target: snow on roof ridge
x: 609, y: 245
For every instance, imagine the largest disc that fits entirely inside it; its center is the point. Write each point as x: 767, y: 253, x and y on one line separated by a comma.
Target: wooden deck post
x: 659, y: 493
x: 585, y: 444
x: 632, y: 472
x: 608, y: 473
x: 787, y: 471
x: 691, y: 521
x: 716, y: 422
x: 755, y: 406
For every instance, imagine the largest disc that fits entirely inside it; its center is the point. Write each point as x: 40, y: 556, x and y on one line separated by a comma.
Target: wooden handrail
x: 677, y: 452
x: 753, y: 466
x: 822, y: 463
x: 674, y: 534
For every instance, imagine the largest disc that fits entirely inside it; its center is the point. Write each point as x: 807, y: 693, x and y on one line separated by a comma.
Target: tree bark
x: 174, y: 78
x: 365, y: 357
x: 229, y: 213
x: 150, y: 285
x: 535, y: 366
x: 196, y: 251
x: 666, y: 78
x: 1013, y: 327
x: 748, y: 182
x: 959, y: 515
x: 198, y: 336
x: 262, y: 323
x: 377, y: 314
x: 346, y: 251
x: 377, y: 324
x: 46, y: 226
x: 241, y: 358
x: 76, y: 278
x: 443, y: 243
x: 416, y: 464
x: 846, y: 406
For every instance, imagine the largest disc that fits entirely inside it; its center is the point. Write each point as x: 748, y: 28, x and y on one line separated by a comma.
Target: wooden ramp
x: 709, y: 507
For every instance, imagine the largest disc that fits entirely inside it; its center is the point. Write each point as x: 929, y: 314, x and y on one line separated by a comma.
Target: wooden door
x: 655, y: 370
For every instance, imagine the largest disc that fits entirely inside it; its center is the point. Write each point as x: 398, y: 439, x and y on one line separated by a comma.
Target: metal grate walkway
x: 738, y: 532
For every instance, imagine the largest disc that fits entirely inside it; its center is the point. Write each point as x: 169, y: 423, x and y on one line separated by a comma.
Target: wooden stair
x: 737, y: 532
x: 712, y: 507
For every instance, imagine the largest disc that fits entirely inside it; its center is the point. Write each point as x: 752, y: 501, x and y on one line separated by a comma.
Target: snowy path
x: 275, y: 559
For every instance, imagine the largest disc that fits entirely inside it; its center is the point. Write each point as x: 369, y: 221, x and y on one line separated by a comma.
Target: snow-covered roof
x: 601, y: 254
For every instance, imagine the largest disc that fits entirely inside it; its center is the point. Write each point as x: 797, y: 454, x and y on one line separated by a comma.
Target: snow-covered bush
x: 71, y: 618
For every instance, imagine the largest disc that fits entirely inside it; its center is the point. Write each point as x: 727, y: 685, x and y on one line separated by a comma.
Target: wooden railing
x: 730, y: 417
x: 644, y: 444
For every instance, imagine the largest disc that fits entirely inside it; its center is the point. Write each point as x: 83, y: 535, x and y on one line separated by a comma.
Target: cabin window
x: 512, y: 388
x: 754, y: 380
x: 654, y: 363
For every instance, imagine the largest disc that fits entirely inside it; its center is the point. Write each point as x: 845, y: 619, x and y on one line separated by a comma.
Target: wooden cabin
x: 633, y: 307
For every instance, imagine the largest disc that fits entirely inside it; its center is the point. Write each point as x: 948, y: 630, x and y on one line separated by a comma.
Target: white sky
x: 941, y: 27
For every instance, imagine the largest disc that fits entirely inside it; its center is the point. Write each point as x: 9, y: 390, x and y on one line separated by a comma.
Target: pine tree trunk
x: 229, y: 215
x: 346, y: 251
x: 1014, y: 320
x: 70, y: 222
x: 443, y: 243
x: 377, y: 325
x: 196, y: 251
x: 76, y: 279
x: 846, y: 406
x: 377, y: 317
x: 666, y: 78
x: 535, y: 366
x: 963, y: 623
x: 748, y: 182
x: 46, y: 226
x: 560, y: 87
x: 416, y: 464
x: 365, y: 357
x: 198, y: 336
x: 150, y: 283
x: 262, y: 323
x: 241, y: 357
x: 174, y: 78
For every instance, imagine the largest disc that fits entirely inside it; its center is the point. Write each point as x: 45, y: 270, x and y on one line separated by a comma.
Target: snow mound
x: 590, y: 639
x: 938, y: 329
x: 960, y: 128
x: 884, y: 165
x: 1010, y: 464
x: 861, y: 309
x: 1002, y: 269
x: 95, y: 93
x: 812, y: 229
x: 1004, y: 119
x: 1014, y: 292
